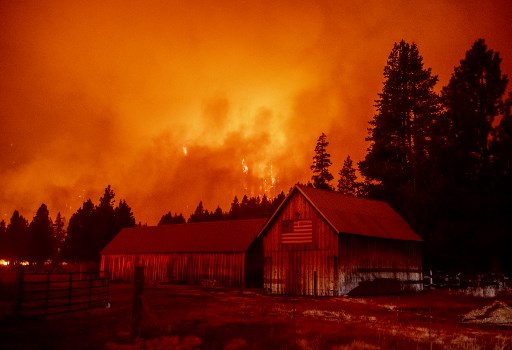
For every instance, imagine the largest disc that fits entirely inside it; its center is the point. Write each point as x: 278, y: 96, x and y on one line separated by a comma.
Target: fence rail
x: 51, y: 293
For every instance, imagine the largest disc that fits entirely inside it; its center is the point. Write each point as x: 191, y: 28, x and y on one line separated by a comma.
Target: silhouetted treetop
x: 321, y: 163
x: 347, y: 181
x: 169, y: 219
x: 399, y: 133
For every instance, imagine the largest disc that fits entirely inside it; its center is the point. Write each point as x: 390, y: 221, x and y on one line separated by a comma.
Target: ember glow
x: 163, y: 99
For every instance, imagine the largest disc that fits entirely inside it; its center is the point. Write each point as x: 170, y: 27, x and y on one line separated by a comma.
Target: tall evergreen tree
x: 400, y: 130
x: 218, y: 214
x: 92, y: 227
x: 166, y: 219
x: 473, y: 100
x: 42, y: 240
x: 347, y: 181
x: 244, y: 207
x: 18, y: 238
x: 266, y: 206
x: 321, y: 163
x: 59, y: 231
x: 123, y: 216
x: 200, y: 214
x: 104, y: 221
x: 79, y: 244
x: 234, y: 211
x: 467, y: 201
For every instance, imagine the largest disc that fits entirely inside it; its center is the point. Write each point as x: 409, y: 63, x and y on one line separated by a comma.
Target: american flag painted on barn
x: 297, y: 231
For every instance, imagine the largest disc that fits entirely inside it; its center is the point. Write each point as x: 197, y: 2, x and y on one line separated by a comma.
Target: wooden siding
x: 304, y: 269
x: 365, y: 259
x: 192, y: 268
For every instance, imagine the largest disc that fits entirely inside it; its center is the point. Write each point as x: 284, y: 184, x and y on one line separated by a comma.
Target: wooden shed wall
x: 304, y: 269
x: 364, y: 258
x: 225, y: 269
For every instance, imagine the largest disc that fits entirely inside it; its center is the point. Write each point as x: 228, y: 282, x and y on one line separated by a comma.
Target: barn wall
x: 254, y: 265
x: 365, y: 259
x: 193, y: 268
x: 304, y: 269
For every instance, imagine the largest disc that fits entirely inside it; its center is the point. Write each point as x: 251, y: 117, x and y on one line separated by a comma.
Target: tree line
x: 443, y: 160
x: 248, y: 208
x: 43, y: 240
x: 93, y: 226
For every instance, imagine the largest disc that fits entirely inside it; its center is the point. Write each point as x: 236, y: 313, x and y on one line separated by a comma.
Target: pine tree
x: 234, y: 211
x: 104, y: 221
x: 266, y: 206
x: 42, y: 242
x: 92, y: 227
x: 347, y: 181
x: 80, y: 244
x: 400, y: 130
x: 17, y: 238
x: 59, y: 232
x: 200, y: 214
x: 473, y: 100
x: 166, y: 219
x: 218, y: 214
x: 321, y: 163
x: 123, y: 216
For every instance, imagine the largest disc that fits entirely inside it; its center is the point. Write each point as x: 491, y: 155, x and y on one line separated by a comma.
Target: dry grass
x: 182, y: 317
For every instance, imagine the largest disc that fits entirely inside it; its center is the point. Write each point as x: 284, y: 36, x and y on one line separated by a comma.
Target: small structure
x: 326, y: 243
x: 220, y: 252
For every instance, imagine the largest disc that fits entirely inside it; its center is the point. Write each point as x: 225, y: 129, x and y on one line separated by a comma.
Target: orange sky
x: 96, y: 92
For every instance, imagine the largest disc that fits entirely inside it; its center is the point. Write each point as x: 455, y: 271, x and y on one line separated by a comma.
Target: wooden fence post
x: 70, y: 291
x: 47, y: 294
x: 138, y: 285
x: 20, y: 277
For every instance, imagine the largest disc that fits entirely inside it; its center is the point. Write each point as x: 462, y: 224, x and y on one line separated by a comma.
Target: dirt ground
x: 187, y: 317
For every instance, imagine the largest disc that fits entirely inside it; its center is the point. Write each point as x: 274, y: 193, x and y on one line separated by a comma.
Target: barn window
x: 297, y: 231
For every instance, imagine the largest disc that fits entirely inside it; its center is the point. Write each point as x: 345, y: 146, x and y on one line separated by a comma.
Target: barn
x: 221, y: 252
x: 326, y: 243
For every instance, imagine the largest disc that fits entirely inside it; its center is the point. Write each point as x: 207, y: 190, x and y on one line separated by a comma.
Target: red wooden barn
x: 224, y: 252
x: 325, y: 243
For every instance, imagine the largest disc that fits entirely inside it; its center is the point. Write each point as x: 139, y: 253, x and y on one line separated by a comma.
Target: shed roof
x: 353, y: 215
x: 203, y: 237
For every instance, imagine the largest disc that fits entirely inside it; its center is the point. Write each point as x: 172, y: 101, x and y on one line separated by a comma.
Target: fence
x: 41, y: 294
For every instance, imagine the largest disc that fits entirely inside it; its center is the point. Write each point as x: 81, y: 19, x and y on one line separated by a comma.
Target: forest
x: 441, y: 157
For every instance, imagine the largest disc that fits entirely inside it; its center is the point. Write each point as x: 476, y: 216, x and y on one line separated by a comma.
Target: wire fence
x: 51, y: 293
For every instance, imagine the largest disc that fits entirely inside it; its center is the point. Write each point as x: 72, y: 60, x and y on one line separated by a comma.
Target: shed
x: 326, y: 243
x: 223, y: 252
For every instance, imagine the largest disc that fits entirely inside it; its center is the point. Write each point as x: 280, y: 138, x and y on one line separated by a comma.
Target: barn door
x: 294, y: 278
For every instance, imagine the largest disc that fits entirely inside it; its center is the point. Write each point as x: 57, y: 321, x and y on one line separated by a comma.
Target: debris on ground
x: 497, y: 313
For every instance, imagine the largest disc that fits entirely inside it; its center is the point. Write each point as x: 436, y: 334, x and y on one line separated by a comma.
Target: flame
x: 185, y: 150
x: 245, y: 168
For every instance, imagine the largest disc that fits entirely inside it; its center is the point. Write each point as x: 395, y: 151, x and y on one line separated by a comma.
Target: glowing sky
x: 173, y: 102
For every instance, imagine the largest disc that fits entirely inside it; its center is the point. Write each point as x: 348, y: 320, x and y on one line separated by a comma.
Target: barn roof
x: 232, y: 236
x: 353, y: 215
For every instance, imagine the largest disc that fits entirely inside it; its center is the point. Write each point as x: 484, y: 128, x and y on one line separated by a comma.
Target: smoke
x: 97, y: 93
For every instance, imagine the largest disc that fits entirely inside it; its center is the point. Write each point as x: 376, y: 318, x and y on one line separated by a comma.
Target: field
x: 187, y: 317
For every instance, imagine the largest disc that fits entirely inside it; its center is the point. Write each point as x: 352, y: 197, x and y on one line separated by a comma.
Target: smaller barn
x: 325, y: 243
x: 223, y: 252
